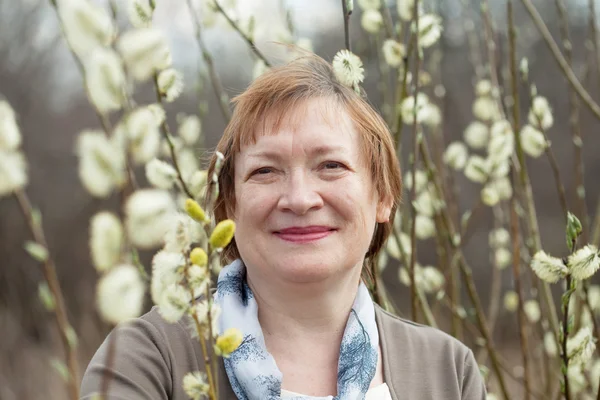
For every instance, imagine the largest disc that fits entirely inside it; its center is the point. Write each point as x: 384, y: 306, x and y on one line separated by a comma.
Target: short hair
x: 272, y: 97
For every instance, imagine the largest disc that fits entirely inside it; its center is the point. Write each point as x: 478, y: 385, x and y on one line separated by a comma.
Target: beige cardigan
x: 152, y: 357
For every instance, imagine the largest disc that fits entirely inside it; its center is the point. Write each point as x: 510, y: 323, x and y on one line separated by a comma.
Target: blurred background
x: 39, y: 78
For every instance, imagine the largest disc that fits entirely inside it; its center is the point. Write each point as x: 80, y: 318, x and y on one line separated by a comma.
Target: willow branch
x: 60, y: 310
x: 347, y: 13
x: 417, y: 137
x: 574, y: 122
x: 246, y: 38
x: 222, y: 98
x: 167, y: 135
x: 468, y: 278
x: 560, y: 59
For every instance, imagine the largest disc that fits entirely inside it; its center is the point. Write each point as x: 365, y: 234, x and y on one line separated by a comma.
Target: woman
x: 311, y: 179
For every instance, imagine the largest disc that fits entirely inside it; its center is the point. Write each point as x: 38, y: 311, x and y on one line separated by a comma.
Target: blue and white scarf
x: 251, y: 369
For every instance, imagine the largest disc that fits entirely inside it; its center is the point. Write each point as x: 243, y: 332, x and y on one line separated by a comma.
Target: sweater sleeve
x: 140, y: 367
x: 473, y: 387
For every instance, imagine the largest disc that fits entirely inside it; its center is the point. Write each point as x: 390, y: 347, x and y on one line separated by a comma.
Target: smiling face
x: 305, y: 203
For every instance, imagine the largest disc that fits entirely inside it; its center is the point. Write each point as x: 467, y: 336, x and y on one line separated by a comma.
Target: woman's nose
x: 300, y: 194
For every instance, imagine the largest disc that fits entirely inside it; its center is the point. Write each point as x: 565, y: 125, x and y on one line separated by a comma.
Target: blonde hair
x: 270, y: 99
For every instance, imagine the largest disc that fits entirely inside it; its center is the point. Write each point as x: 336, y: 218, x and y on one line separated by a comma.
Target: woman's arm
x: 140, y: 367
x: 473, y: 387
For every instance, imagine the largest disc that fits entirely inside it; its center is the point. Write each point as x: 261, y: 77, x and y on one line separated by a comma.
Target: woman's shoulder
x: 151, y: 356
x: 427, y: 362
x: 420, y: 342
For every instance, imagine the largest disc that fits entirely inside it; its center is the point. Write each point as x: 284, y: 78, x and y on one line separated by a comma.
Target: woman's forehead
x: 327, y: 112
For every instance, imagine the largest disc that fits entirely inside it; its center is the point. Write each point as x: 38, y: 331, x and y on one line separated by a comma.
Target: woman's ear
x: 384, y: 208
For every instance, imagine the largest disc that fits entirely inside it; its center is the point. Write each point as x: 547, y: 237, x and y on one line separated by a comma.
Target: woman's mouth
x: 304, y: 234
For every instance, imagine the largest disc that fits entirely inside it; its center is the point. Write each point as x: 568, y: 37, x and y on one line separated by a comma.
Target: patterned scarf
x: 251, y: 369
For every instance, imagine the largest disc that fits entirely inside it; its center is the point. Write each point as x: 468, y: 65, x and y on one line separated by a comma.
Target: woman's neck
x: 303, y: 327
x: 305, y: 310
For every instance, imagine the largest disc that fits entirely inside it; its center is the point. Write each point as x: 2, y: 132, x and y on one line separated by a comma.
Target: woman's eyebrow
x: 314, y: 151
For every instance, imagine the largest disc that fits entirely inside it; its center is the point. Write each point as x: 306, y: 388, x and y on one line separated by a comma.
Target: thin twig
x: 514, y: 225
x: 467, y: 276
x: 564, y: 65
x: 574, y: 122
x: 242, y: 34
x: 167, y: 135
x: 222, y: 98
x: 565, y: 335
x: 417, y: 137
x: 347, y: 13
x: 60, y: 311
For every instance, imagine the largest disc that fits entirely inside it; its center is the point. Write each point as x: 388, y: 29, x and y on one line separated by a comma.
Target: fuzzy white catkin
x: 160, y: 174
x: 502, y: 187
x: 532, y: 311
x: 489, y: 195
x: 533, y: 141
x: 148, y: 216
x: 392, y: 246
x: 502, y: 258
x: 430, y: 30
x: 420, y: 178
x: 195, y: 385
x: 456, y: 155
x: 584, y: 262
x: 476, y: 135
x: 499, y: 238
x: 407, y: 108
x: 10, y: 135
x: 86, y: 25
x: 540, y: 114
x: 190, y: 129
x: 371, y: 21
x: 348, y: 68
x: 511, y: 301
x: 393, y: 53
x: 581, y: 346
x: 170, y: 84
x: 106, y: 240
x: 174, y: 302
x: 140, y: 13
x: 120, y: 294
x: 145, y: 52
x: 406, y: 9
x: 477, y: 169
x: 424, y: 227
x: 167, y: 269
x: 143, y: 133
x: 101, y: 163
x: 13, y: 172
x: 105, y: 80
x: 547, y: 268
x: 485, y: 109
x: 427, y: 204
x: 550, y: 344
x: 483, y: 88
x: 502, y: 142
x: 182, y: 233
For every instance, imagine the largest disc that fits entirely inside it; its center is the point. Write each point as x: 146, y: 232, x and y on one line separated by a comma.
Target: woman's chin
x: 307, y: 270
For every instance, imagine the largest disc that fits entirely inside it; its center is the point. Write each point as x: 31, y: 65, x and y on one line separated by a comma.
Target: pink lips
x: 304, y: 234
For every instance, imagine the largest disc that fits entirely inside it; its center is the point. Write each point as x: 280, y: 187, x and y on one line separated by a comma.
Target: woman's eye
x: 333, y: 165
x: 262, y: 171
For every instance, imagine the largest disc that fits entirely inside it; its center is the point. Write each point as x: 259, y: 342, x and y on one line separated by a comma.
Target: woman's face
x: 306, y: 206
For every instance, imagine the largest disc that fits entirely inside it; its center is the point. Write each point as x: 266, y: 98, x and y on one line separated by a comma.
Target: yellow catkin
x: 198, y: 257
x: 195, y: 211
x: 222, y: 234
x: 228, y: 342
